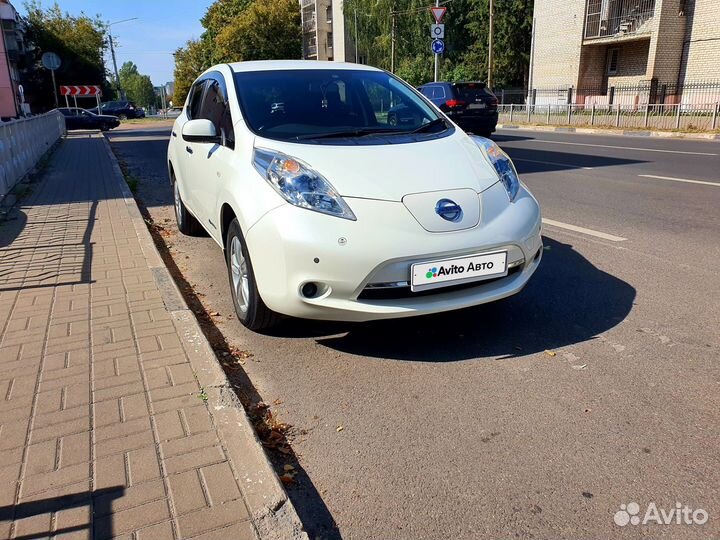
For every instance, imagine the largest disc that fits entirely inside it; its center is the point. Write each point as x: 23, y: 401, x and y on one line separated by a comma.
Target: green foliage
x: 138, y: 88
x: 238, y: 30
x: 190, y: 61
x: 79, y: 41
x: 466, y: 31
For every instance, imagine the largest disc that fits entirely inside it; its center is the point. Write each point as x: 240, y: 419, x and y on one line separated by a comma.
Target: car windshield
x: 329, y: 103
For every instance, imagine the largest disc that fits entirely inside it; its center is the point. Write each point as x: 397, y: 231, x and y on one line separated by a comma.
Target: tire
x: 249, y: 307
x: 104, y: 127
x: 123, y: 116
x: 186, y: 222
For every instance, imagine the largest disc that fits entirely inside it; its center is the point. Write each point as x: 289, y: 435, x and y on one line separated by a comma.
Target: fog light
x: 309, y: 290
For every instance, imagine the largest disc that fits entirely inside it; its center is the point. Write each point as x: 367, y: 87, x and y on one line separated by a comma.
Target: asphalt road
x: 461, y: 425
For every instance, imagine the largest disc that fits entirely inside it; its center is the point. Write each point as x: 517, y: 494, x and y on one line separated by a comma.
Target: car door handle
x: 174, y: 134
x: 188, y: 150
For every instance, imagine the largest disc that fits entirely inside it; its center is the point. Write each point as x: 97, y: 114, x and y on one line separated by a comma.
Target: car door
x: 189, y: 174
x: 211, y: 161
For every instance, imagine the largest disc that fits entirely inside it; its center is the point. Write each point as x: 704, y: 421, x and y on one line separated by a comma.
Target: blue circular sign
x: 438, y: 46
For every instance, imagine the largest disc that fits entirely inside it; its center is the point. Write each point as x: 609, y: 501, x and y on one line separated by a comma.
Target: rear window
x: 472, y: 92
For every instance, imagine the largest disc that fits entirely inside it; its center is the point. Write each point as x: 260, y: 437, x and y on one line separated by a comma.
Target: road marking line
x: 686, y: 180
x: 553, y: 163
x: 583, y: 230
x: 628, y: 148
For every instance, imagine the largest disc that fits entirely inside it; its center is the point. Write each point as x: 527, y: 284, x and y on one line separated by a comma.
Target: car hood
x: 391, y: 171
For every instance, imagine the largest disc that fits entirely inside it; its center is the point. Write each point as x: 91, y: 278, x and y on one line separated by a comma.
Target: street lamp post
x: 112, y: 53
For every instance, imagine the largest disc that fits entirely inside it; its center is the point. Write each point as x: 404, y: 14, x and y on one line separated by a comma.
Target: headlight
x: 503, y: 165
x: 300, y: 185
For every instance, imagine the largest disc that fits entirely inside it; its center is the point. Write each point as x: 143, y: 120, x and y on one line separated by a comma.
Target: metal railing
x: 23, y: 142
x: 643, y: 92
x: 606, y: 18
x: 673, y: 117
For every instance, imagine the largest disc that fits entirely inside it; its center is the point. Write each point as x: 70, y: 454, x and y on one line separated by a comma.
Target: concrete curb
x: 273, y: 514
x: 602, y: 131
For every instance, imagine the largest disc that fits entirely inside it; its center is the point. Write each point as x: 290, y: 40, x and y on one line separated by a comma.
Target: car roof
x: 276, y: 65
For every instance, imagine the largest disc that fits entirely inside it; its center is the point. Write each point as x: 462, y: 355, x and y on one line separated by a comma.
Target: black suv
x: 469, y: 104
x: 122, y: 109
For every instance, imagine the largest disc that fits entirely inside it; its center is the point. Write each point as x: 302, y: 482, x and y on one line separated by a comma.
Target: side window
x: 215, y: 108
x: 425, y: 91
x: 196, y: 93
x: 440, y: 92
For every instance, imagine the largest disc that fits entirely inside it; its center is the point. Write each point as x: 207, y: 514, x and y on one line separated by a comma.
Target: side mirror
x: 201, y: 130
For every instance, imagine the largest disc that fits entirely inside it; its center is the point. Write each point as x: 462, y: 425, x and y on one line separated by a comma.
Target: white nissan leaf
x: 327, y: 210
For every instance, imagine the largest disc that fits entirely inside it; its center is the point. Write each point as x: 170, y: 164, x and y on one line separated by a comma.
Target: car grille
x: 395, y: 293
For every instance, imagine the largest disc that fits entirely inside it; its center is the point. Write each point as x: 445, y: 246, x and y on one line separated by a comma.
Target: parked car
x: 77, y: 118
x: 471, y: 105
x: 121, y: 109
x: 326, y: 210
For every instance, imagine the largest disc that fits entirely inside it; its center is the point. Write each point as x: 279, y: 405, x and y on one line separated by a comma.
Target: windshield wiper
x: 360, y: 132
x: 429, y: 125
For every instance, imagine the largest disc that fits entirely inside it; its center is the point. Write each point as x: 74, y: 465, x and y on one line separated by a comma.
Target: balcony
x: 618, y: 18
x: 309, y: 26
x: 306, y: 3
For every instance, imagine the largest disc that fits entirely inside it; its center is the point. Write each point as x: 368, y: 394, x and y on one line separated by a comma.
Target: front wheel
x: 249, y: 307
x: 123, y: 117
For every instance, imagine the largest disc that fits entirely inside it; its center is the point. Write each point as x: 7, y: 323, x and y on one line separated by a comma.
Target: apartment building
x: 632, y: 51
x: 12, y: 48
x: 324, y: 32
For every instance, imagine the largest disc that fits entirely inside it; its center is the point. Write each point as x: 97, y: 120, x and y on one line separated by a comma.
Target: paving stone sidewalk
x: 115, y: 419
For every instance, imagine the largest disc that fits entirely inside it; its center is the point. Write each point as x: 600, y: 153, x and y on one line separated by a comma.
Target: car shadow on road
x: 568, y: 301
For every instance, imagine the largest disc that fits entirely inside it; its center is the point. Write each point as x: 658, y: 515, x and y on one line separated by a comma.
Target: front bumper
x: 290, y: 247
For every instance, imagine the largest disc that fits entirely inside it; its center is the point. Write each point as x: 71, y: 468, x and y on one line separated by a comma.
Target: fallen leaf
x: 288, y: 468
x: 214, y: 314
x: 550, y: 353
x: 277, y: 402
x: 339, y: 428
x: 582, y: 366
x: 287, y: 479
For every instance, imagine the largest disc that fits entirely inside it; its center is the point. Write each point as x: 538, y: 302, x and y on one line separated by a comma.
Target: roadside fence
x: 679, y: 116
x: 23, y: 142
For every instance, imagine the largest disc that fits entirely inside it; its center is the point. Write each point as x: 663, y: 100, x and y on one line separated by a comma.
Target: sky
x: 161, y: 28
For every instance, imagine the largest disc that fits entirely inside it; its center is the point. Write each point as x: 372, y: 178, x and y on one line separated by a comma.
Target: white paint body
x: 392, y: 189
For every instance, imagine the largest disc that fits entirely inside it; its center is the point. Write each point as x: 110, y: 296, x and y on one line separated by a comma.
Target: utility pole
x: 357, y: 47
x: 490, y: 49
x: 112, y: 52
x: 392, y: 43
x: 117, y: 75
x: 437, y: 65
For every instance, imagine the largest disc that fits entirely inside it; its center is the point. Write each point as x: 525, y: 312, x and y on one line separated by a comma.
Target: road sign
x: 437, y: 31
x: 51, y: 60
x: 438, y: 13
x: 81, y: 90
x: 438, y: 46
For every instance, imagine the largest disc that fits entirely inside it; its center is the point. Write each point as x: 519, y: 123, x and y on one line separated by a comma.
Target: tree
x: 265, y: 30
x: 138, y: 87
x: 190, y: 61
x: 237, y: 30
x: 79, y: 41
x: 466, y: 30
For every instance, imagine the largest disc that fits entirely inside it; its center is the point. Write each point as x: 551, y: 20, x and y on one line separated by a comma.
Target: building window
x: 328, y: 14
x: 330, y: 40
x: 612, y: 61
